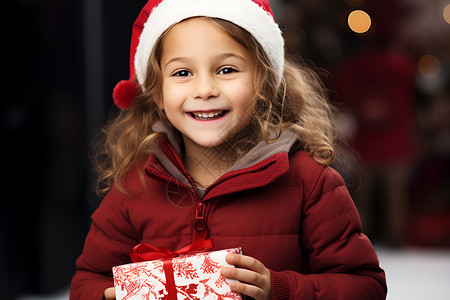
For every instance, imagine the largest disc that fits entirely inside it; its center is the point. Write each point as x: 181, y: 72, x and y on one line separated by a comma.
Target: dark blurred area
x: 61, y: 60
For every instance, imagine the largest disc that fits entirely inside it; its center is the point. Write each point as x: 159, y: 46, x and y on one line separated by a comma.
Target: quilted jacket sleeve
x: 107, y: 244
x: 342, y: 263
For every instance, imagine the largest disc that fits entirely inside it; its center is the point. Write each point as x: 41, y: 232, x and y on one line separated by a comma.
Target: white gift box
x: 190, y: 276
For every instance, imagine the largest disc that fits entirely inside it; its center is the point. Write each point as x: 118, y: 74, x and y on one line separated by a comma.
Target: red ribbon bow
x: 146, y: 252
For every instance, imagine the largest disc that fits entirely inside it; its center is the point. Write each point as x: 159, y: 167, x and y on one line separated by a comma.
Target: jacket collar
x: 260, y: 166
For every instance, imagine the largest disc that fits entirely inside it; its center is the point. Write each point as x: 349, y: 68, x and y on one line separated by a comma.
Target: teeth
x: 205, y: 115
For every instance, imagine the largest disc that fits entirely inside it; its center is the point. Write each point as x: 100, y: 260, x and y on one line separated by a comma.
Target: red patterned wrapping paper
x: 196, y: 277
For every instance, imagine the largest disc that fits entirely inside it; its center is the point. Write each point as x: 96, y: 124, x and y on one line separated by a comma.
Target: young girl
x: 219, y: 136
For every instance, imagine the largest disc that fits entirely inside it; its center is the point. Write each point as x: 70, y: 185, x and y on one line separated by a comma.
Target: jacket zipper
x: 179, y: 165
x: 165, y: 178
x: 199, y: 225
x: 200, y: 211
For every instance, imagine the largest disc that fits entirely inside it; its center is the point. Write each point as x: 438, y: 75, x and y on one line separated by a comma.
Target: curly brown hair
x: 299, y: 103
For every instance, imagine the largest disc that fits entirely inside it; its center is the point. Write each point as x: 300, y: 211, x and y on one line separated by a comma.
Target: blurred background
x: 385, y: 63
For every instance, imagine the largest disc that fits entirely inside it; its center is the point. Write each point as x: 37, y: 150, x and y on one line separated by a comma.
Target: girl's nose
x: 205, y: 88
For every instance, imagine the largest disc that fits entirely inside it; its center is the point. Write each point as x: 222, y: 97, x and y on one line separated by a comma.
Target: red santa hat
x: 255, y: 16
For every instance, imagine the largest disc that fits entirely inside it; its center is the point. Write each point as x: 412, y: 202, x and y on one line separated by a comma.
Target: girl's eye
x: 182, y: 73
x: 227, y: 70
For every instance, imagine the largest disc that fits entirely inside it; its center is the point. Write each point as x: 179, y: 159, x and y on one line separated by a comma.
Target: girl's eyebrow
x: 176, y: 59
x: 219, y: 56
x: 227, y: 55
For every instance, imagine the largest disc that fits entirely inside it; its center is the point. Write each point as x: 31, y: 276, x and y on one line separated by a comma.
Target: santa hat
x: 255, y: 16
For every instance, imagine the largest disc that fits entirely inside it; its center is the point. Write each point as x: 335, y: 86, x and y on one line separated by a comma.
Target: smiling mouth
x: 206, y: 116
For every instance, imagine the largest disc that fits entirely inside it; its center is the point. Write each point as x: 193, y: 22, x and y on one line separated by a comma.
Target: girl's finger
x: 247, y: 289
x: 110, y: 294
x: 245, y: 276
x: 246, y: 262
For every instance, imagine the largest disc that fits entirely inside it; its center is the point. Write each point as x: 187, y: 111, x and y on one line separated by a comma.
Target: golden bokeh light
x: 429, y: 66
x: 359, y: 21
x: 447, y: 13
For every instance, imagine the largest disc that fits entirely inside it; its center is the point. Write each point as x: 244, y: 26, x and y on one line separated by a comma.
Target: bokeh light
x: 359, y: 21
x: 429, y: 66
x: 447, y: 13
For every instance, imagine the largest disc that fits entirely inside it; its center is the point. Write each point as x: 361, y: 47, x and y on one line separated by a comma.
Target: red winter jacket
x: 284, y: 209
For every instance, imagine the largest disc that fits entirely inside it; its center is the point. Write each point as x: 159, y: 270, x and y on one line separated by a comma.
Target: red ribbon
x: 146, y: 252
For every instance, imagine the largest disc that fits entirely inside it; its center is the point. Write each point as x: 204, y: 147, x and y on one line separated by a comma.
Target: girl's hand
x: 254, y: 277
x: 110, y: 294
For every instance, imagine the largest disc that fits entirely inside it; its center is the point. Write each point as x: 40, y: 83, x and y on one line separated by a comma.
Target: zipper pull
x: 199, y: 222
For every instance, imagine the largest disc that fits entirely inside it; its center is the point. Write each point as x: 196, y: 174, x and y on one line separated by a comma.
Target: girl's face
x: 208, y: 88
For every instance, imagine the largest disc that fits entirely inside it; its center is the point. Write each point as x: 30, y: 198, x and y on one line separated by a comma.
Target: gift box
x: 187, y: 276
